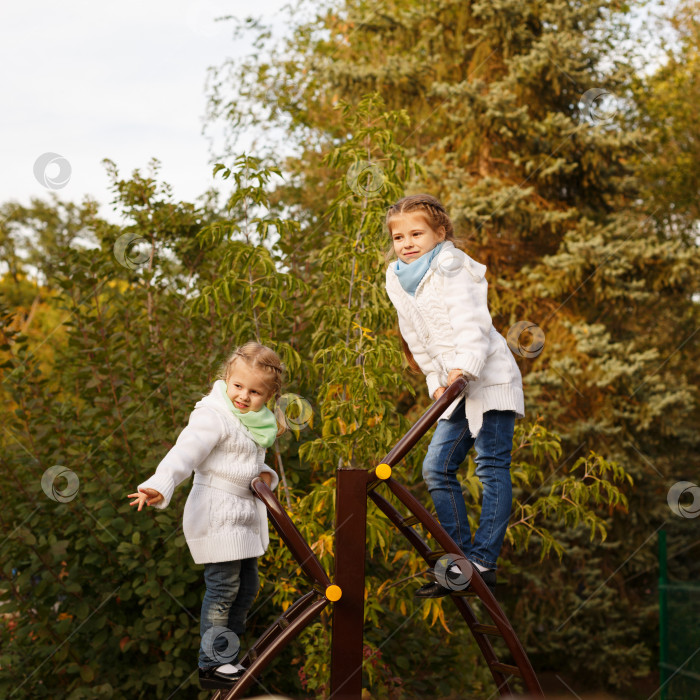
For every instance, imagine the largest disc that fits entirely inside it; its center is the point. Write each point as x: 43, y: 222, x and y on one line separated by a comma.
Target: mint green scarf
x: 260, y: 424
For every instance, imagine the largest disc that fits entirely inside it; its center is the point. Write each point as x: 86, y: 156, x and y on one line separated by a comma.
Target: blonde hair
x: 260, y: 357
x: 437, y: 217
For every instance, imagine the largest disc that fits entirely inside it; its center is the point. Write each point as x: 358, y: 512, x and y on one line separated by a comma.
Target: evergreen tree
x: 665, y: 101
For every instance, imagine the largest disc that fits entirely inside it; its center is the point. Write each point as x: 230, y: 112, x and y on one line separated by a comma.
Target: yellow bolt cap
x: 383, y: 471
x: 333, y: 593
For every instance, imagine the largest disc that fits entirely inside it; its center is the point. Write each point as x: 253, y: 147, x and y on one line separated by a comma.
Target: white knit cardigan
x: 222, y: 520
x: 447, y: 325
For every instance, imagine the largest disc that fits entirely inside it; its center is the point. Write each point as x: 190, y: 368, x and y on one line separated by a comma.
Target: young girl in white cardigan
x: 224, y: 524
x: 440, y: 296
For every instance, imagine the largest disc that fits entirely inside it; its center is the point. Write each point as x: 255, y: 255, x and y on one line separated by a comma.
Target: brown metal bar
x: 507, y: 668
x: 484, y: 644
x: 348, y: 612
x: 408, y: 532
x: 263, y: 659
x: 423, y: 424
x: 290, y: 534
x: 283, y: 621
x: 469, y: 593
x: 477, y: 583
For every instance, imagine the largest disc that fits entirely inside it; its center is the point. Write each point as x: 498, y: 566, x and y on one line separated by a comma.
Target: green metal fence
x: 679, y: 630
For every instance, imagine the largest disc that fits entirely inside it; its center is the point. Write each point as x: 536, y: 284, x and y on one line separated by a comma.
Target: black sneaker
x: 432, y: 590
x: 489, y: 578
x: 219, y: 677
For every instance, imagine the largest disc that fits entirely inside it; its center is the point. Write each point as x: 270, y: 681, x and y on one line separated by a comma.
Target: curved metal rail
x: 424, y: 423
x: 290, y: 534
x: 280, y: 635
x: 477, y: 588
x: 501, y: 672
x: 286, y: 627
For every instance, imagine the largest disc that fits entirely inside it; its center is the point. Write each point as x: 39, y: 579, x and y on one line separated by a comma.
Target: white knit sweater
x: 222, y: 520
x: 447, y: 325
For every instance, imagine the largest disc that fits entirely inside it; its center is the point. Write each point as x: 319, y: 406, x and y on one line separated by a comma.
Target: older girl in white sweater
x: 440, y: 296
x: 224, y: 524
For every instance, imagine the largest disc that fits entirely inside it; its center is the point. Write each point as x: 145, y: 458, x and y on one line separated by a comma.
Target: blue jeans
x: 448, y: 449
x: 231, y: 590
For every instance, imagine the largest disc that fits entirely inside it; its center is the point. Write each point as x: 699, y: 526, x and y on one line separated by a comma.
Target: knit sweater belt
x: 218, y: 482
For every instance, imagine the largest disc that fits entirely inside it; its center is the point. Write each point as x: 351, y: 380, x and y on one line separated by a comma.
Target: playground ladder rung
x: 487, y: 629
x: 434, y: 556
x: 468, y: 593
x: 411, y: 520
x: 283, y: 623
x: 505, y: 668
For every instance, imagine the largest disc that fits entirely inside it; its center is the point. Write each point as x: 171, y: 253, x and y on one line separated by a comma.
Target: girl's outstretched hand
x: 439, y: 392
x: 148, y: 496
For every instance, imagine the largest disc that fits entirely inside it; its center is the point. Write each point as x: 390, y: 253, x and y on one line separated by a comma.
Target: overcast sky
x: 122, y: 80
x: 87, y: 80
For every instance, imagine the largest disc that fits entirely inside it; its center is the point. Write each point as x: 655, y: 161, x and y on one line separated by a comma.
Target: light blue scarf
x: 410, y: 274
x: 260, y: 424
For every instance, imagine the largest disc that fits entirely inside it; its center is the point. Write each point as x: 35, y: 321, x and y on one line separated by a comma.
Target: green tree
x: 88, y: 590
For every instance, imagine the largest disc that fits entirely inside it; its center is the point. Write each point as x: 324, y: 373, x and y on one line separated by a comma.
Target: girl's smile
x: 413, y: 236
x: 246, y: 387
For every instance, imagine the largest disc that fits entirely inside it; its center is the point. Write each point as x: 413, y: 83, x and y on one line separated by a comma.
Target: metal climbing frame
x: 346, y: 593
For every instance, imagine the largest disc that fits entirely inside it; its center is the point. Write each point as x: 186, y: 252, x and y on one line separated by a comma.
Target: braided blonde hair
x: 432, y: 208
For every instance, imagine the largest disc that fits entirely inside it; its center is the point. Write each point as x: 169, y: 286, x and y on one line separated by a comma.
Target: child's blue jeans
x: 448, y: 449
x: 231, y: 590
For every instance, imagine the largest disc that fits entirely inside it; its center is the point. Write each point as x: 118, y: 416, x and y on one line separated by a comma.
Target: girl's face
x: 247, y: 387
x: 413, y: 236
